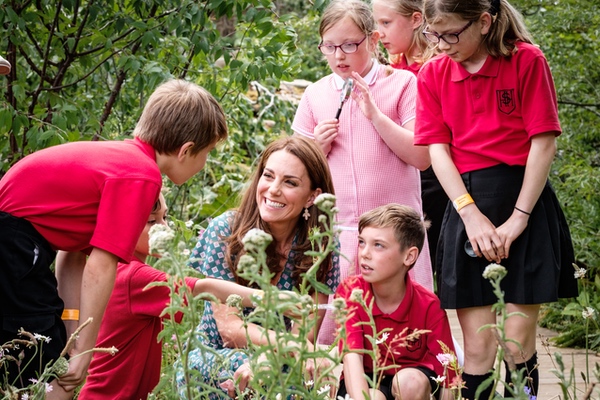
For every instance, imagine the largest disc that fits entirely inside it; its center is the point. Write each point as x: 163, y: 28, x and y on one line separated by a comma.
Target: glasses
x: 450, y: 38
x: 347, y: 48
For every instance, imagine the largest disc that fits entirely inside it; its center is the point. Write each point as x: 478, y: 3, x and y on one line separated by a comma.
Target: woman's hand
x: 241, y: 377
x: 325, y: 133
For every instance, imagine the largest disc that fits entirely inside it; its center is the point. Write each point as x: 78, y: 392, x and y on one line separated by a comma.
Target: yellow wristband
x: 461, y: 201
x: 70, y: 315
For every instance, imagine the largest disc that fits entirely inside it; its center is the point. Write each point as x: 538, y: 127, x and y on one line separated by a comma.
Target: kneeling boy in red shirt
x: 390, y: 239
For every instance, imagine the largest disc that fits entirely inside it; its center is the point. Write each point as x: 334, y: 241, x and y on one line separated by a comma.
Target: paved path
x: 549, y: 383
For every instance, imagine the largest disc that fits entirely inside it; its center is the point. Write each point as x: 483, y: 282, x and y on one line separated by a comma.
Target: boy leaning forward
x: 91, y: 200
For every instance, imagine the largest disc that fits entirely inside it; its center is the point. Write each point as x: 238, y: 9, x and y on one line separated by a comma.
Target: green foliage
x: 568, y: 33
x: 269, y: 314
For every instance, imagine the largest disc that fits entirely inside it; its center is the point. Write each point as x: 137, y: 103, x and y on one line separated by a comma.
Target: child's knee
x: 411, y: 384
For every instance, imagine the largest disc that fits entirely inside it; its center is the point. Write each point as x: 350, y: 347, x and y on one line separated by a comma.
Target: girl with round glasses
x: 400, y: 25
x: 370, y: 147
x: 487, y: 110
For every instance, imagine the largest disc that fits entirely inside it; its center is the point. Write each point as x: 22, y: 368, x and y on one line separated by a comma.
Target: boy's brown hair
x: 179, y: 112
x: 409, y: 228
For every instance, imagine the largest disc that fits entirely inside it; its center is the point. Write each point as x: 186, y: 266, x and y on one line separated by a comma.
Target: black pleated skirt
x: 540, y: 266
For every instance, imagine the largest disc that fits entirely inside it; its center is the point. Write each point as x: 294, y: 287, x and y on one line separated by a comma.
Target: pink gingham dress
x: 366, y: 173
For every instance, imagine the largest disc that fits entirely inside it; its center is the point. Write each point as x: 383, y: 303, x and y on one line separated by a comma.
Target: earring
x: 306, y: 214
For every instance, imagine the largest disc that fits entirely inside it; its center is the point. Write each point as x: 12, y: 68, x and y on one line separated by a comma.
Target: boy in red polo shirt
x: 134, y: 318
x: 91, y: 199
x: 390, y: 239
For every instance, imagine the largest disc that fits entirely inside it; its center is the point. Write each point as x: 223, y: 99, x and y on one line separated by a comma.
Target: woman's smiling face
x: 284, y: 189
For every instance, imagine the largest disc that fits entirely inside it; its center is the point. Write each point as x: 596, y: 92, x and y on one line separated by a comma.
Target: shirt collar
x: 402, y: 312
x: 490, y: 68
x: 369, y: 78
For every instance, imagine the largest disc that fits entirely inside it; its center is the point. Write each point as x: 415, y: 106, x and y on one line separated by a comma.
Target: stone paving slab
x: 549, y: 382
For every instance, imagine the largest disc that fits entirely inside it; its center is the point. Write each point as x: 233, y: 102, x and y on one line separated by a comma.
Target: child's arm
x: 354, y: 377
x: 318, y: 298
x: 537, y: 169
x: 69, y: 273
x: 480, y: 230
x: 96, y: 287
x: 222, y: 289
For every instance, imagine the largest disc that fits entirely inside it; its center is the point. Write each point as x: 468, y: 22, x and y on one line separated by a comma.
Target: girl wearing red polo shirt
x: 400, y: 26
x: 370, y: 147
x: 487, y: 109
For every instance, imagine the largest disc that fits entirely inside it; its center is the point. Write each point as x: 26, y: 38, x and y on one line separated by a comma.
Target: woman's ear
x: 312, y: 197
x: 185, y: 150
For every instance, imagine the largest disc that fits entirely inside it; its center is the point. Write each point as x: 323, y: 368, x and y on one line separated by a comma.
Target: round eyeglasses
x: 450, y: 38
x: 347, y: 48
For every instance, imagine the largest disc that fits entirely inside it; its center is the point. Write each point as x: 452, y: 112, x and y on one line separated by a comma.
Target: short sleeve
x: 355, y: 333
x: 430, y: 127
x: 304, y: 121
x: 209, y: 255
x: 130, y: 202
x: 151, y: 301
x: 406, y: 105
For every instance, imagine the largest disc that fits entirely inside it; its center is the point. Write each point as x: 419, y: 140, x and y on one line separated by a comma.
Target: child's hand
x: 77, y: 372
x: 363, y: 97
x: 325, y: 133
x: 58, y: 392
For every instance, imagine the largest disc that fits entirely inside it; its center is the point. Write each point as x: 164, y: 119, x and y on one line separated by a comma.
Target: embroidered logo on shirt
x: 506, y: 100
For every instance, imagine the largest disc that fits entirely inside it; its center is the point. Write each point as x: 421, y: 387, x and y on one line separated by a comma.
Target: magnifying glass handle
x: 339, y: 111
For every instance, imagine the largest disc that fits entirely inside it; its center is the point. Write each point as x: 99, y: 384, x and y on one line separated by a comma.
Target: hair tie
x: 495, y: 7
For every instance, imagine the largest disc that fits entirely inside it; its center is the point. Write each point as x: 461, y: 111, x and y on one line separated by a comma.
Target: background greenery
x: 83, y: 69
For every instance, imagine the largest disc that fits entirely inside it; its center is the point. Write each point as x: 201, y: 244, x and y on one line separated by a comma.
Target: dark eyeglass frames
x: 347, y: 48
x: 450, y: 38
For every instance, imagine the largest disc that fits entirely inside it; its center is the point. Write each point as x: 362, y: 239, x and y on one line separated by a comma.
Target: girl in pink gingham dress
x: 370, y: 147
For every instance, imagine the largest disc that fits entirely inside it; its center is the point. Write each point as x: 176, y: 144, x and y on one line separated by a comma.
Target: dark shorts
x: 540, y: 264
x: 28, y: 296
x: 386, y: 384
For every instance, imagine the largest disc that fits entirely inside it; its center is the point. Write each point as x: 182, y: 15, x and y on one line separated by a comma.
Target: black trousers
x: 28, y: 300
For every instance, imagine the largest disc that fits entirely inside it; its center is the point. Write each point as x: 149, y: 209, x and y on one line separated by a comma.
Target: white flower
x: 189, y: 224
x: 356, y: 295
x: 439, y: 380
x: 384, y: 337
x: 309, y: 383
x: 48, y: 387
x: 40, y: 338
x: 445, y: 358
x: 494, y: 271
x: 161, y: 237
x: 25, y: 396
x: 186, y: 252
x: 579, y: 272
x: 589, y: 312
x: 347, y: 397
x: 325, y: 202
x: 256, y: 240
x: 324, y: 389
x: 234, y: 300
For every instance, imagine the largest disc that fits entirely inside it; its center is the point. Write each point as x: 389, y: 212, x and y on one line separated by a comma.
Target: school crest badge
x: 506, y: 100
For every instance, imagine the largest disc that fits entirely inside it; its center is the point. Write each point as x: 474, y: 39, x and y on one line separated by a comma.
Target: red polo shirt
x: 420, y: 309
x: 488, y: 117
